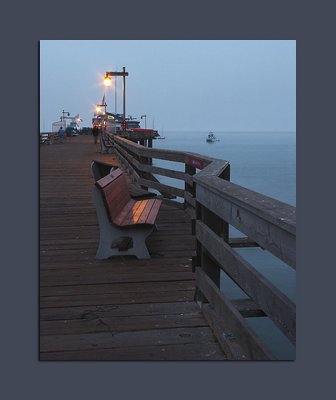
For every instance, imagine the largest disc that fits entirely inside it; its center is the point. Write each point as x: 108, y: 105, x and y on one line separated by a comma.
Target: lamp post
x: 98, y: 106
x: 144, y: 116
x: 98, y: 111
x: 63, y: 116
x: 107, y: 82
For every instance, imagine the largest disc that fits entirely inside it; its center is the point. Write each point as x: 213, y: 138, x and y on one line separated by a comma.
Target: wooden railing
x: 138, y: 161
x: 214, y: 204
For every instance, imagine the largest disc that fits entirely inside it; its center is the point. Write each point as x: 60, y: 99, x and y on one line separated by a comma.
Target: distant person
x: 61, y: 133
x: 95, y: 133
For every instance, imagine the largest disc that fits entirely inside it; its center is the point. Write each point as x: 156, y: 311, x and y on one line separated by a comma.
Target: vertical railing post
x: 190, y: 170
x: 203, y: 259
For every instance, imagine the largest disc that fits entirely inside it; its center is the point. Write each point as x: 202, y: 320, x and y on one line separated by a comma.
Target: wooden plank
x: 117, y: 184
x: 191, y: 212
x: 164, y: 172
x: 109, y: 288
x: 143, y: 219
x: 206, y: 159
x: 93, y: 323
x: 227, y: 340
x: 138, y: 193
x: 198, y: 163
x: 129, y: 218
x: 150, y: 168
x: 107, y: 179
x: 271, y: 300
x: 189, y: 199
x: 116, y: 197
x: 144, y: 204
x: 118, y: 298
x: 188, y: 179
x: 119, y: 266
x: 161, y: 187
x: 267, y: 221
x: 215, y: 167
x: 154, y: 211
x: 141, y: 151
x: 110, y: 340
x: 131, y: 170
x: 171, y: 203
x: 248, y: 308
x: 74, y: 277
x: 118, y: 219
x: 176, y: 352
x: 235, y: 325
x: 242, y: 242
x: 118, y: 310
x: 129, y: 157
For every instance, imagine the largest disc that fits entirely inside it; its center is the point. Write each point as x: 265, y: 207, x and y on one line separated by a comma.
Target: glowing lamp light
x: 98, y: 109
x: 107, y: 81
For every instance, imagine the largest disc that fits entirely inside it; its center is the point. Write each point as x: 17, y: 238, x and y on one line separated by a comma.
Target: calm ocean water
x: 264, y: 162
x: 260, y: 161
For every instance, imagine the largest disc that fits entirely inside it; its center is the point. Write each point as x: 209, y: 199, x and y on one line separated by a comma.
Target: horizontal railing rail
x: 138, y: 161
x: 214, y: 204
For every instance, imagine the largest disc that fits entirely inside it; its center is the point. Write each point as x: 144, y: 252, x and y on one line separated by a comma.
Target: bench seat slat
x: 129, y: 218
x: 139, y: 211
x: 146, y: 212
x: 154, y: 211
x: 118, y: 220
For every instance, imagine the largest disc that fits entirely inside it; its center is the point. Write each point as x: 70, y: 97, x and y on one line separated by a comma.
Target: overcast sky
x: 196, y: 85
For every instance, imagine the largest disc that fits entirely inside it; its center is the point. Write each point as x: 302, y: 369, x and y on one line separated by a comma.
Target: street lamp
x: 63, y: 116
x: 108, y: 82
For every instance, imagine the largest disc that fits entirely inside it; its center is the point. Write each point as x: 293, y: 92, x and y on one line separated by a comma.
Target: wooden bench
x: 100, y: 169
x: 121, y: 217
x: 106, y: 144
x: 53, y: 137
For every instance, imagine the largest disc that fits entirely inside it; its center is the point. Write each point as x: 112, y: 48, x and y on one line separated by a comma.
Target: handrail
x: 214, y: 203
x: 137, y: 160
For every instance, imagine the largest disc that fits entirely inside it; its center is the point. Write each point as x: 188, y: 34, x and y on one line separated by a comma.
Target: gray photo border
x: 310, y: 374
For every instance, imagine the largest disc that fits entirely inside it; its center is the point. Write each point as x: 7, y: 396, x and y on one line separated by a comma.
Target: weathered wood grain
x: 273, y: 302
x: 230, y: 322
x: 147, y: 304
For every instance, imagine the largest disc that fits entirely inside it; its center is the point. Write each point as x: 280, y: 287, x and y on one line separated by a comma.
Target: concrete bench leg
x: 109, y: 233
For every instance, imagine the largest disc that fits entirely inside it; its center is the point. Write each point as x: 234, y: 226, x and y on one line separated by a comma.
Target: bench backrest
x: 100, y: 169
x: 114, y: 189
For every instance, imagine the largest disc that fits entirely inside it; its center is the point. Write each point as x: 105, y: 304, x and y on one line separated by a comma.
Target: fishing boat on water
x: 211, y: 138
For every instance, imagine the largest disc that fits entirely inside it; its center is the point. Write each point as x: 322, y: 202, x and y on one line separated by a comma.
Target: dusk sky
x: 198, y: 85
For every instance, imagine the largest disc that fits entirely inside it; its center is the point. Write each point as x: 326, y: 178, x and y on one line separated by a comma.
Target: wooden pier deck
x: 117, y: 309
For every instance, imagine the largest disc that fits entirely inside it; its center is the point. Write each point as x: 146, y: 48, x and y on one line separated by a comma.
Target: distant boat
x: 211, y: 138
